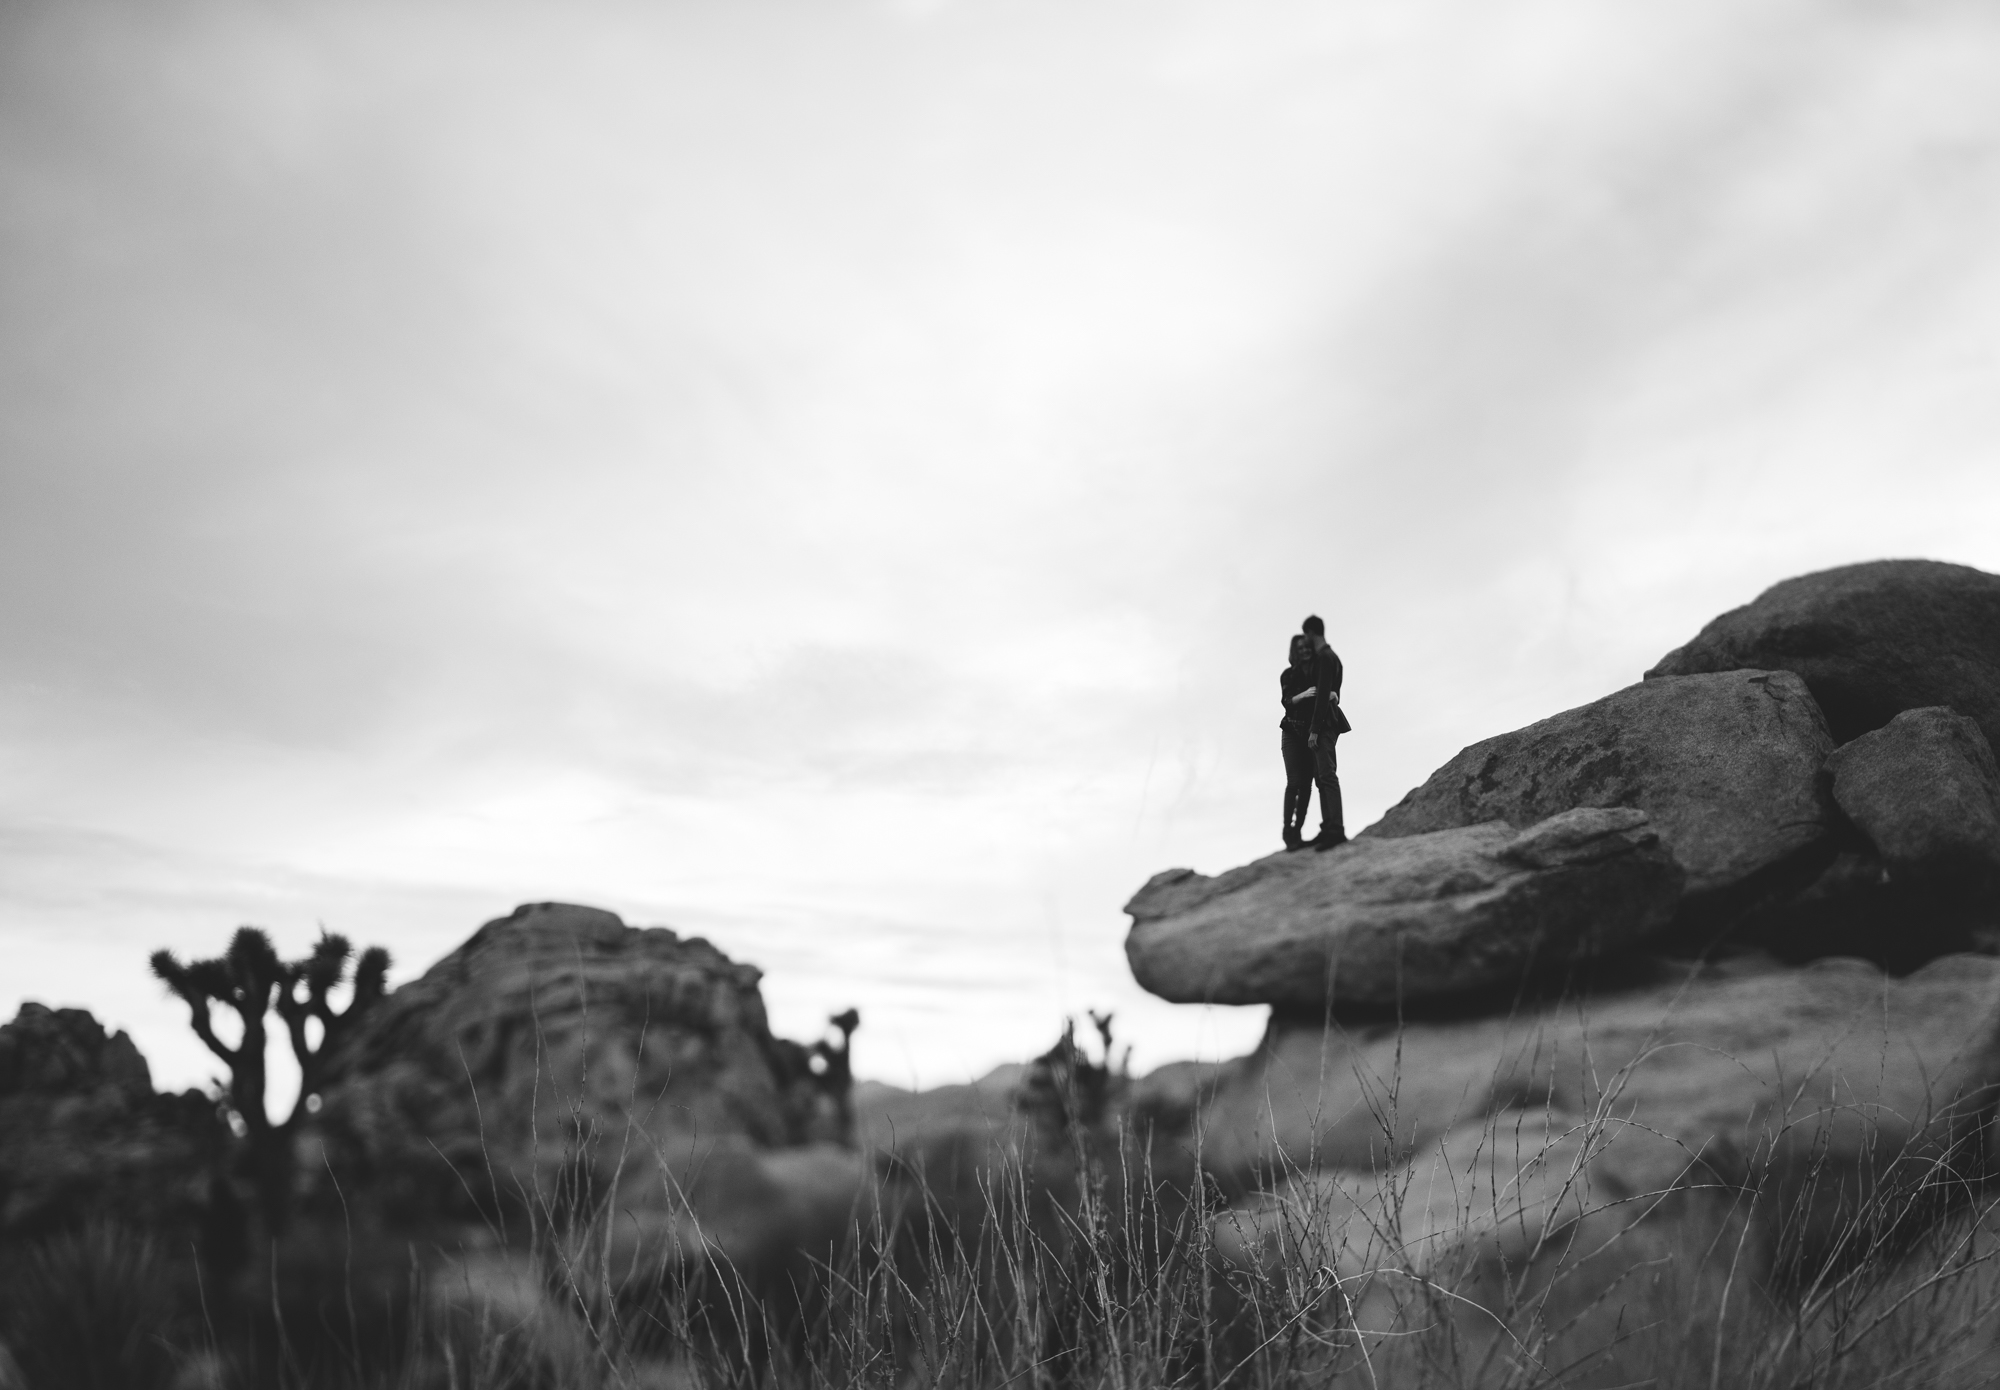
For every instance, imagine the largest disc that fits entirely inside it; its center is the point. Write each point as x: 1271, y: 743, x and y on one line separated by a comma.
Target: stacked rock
x: 1619, y: 948
x: 559, y: 1055
x: 1703, y: 805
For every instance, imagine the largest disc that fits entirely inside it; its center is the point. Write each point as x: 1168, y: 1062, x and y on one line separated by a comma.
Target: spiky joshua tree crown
x: 251, y: 980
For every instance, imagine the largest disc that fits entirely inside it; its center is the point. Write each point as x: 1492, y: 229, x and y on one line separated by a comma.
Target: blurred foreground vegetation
x: 1120, y: 1282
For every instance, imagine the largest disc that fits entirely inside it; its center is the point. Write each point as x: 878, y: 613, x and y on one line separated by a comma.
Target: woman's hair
x: 1301, y: 648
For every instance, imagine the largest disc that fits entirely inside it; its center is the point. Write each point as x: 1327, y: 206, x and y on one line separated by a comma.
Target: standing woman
x: 1296, y: 690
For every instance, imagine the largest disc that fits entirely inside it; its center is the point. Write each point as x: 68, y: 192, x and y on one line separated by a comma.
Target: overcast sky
x: 839, y: 478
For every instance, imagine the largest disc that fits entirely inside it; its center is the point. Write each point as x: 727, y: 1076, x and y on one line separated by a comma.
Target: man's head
x: 1315, y: 630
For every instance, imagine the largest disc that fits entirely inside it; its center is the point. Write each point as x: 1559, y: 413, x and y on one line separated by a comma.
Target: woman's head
x: 1301, y: 649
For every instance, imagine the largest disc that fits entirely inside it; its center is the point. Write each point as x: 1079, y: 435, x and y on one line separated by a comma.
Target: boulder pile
x: 83, y: 1135
x: 560, y: 1072
x: 1869, y: 641
x: 1786, y: 835
x: 559, y: 1056
x: 1718, y: 946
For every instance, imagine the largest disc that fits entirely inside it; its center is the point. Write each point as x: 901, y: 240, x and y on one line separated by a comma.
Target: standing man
x: 1328, y: 724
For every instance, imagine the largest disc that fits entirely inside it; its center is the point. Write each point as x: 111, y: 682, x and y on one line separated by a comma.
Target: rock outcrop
x: 1918, y: 872
x: 1503, y: 1189
x: 1727, y: 766
x: 1746, y: 1064
x: 1757, y: 1124
x: 66, y: 1052
x: 1869, y: 640
x: 1776, y: 1099
x: 1387, y: 922
x: 560, y: 1053
x: 83, y: 1135
x: 1925, y: 790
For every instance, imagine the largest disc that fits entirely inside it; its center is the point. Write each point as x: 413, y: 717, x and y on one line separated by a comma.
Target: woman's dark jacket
x: 1291, y: 681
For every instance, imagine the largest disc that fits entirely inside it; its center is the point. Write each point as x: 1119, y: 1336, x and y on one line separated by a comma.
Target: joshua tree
x: 1064, y: 1089
x: 834, y: 1068
x: 250, y: 979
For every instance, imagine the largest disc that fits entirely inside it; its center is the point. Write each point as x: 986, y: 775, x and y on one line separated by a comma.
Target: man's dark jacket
x: 1327, y: 715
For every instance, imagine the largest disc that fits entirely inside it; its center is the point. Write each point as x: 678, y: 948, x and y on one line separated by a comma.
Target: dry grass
x: 1501, y: 1261
x: 1133, y: 1292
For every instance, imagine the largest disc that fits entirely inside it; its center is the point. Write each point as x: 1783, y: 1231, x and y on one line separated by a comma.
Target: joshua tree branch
x: 204, y: 1029
x: 295, y: 1015
x: 189, y: 988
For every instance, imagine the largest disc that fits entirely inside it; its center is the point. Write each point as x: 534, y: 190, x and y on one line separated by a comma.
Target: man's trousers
x: 1326, y: 771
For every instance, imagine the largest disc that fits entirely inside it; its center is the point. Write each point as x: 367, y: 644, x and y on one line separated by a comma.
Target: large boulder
x: 560, y: 1053
x: 1870, y: 641
x: 1925, y: 790
x: 84, y: 1137
x: 1387, y: 922
x: 1726, y: 765
x: 1605, y: 1250
x: 1822, y: 1082
x: 1571, y: 1176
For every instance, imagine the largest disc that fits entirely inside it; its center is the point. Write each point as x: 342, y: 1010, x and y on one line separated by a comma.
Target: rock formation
x: 1754, y: 1070
x: 1690, y: 1093
x: 559, y: 1055
x: 1773, y: 1126
x: 83, y: 1135
x: 1925, y: 790
x: 1727, y: 766
x: 1405, y: 921
x: 1870, y: 641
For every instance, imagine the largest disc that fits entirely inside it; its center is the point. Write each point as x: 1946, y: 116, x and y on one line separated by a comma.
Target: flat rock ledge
x: 1383, y: 922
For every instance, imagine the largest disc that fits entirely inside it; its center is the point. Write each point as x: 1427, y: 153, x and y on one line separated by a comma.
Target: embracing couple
x: 1313, y: 723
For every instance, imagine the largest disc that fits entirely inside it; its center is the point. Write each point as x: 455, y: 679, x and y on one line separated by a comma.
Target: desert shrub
x: 99, y: 1308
